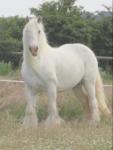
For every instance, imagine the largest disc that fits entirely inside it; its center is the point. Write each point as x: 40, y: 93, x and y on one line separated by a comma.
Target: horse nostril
x: 33, y: 50
x: 30, y: 48
x: 36, y: 47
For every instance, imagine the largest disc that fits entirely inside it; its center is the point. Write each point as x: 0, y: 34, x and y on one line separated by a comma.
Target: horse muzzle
x: 34, y: 50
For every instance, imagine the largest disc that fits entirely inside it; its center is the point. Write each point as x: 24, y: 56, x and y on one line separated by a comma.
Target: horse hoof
x: 30, y: 122
x: 53, y: 122
x: 94, y: 123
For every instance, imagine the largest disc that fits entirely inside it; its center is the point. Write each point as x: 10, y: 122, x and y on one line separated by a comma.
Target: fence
x: 106, y: 63
x: 15, y: 59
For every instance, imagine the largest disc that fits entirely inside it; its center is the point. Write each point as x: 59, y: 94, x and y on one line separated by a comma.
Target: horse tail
x: 101, y: 96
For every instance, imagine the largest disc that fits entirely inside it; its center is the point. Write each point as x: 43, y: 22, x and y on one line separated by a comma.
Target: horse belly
x: 69, y: 74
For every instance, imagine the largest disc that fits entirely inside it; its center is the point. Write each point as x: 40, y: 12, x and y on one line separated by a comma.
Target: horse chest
x: 33, y: 79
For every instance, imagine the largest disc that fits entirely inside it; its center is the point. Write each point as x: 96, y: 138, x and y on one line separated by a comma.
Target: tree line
x: 64, y: 22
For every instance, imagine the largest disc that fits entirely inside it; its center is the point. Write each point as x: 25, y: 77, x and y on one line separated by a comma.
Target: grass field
x: 74, y: 134
x: 71, y: 136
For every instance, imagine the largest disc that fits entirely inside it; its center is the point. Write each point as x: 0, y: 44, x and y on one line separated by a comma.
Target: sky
x: 22, y: 7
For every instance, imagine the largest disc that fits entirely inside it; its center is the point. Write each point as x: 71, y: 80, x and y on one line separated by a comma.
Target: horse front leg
x: 53, y: 116
x: 30, y: 119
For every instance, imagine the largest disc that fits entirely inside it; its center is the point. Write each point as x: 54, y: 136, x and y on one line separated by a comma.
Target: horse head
x: 32, y: 35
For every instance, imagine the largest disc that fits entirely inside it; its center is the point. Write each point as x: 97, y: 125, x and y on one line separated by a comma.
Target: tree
x: 11, y: 34
x: 63, y: 22
x: 67, y: 23
x: 102, y: 35
x: 11, y: 39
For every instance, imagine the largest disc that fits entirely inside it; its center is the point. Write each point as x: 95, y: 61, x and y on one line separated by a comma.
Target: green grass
x: 68, y: 111
x: 6, y: 71
x: 5, y: 68
x: 106, y: 76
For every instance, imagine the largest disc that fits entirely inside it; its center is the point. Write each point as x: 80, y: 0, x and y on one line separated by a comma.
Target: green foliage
x: 67, y: 23
x: 10, y: 45
x: 11, y: 34
x: 106, y: 76
x: 64, y: 22
x: 5, y: 68
x: 102, y: 36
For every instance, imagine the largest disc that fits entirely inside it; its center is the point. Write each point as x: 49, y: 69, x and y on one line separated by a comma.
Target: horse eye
x: 39, y: 31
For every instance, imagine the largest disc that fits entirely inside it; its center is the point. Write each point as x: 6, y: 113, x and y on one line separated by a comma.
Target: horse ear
x: 39, y: 19
x: 27, y: 19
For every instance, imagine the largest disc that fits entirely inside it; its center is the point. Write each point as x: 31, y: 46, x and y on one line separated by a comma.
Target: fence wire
x: 15, y: 59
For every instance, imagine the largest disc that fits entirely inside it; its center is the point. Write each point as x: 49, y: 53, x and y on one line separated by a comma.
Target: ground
x: 74, y: 134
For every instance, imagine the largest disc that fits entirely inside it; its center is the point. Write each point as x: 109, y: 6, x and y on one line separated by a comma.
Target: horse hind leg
x: 93, y: 104
x: 80, y: 93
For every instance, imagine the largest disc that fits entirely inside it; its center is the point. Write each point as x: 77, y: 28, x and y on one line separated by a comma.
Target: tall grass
x: 74, y: 134
x: 5, y: 68
x: 106, y: 76
x: 70, y: 136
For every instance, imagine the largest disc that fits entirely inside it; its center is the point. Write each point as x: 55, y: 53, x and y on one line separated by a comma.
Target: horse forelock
x: 34, y: 23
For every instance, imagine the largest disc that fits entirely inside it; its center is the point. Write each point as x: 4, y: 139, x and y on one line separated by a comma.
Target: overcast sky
x: 22, y: 7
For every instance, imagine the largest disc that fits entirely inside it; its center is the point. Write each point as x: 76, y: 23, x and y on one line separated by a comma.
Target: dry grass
x: 73, y: 135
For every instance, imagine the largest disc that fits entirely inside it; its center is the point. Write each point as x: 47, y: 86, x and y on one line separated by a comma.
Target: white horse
x: 70, y: 66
